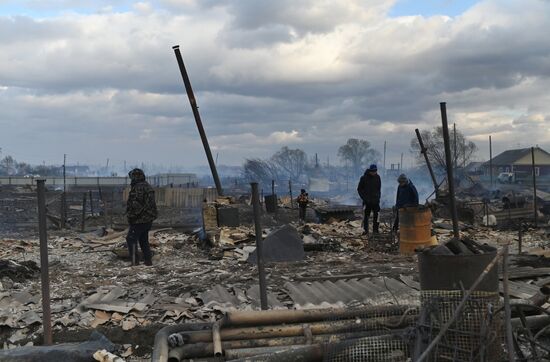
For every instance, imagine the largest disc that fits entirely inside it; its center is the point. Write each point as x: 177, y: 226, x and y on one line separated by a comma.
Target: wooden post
x: 520, y: 237
x: 44, y: 272
x: 91, y: 203
x: 535, y: 211
x: 83, y: 224
x: 62, y: 212
x: 290, y: 192
x: 491, y: 163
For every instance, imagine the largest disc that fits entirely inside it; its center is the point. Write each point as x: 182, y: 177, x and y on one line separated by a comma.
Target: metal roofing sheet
x: 369, y: 291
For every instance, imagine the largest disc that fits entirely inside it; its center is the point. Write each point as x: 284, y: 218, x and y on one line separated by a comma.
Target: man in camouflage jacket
x: 141, y: 211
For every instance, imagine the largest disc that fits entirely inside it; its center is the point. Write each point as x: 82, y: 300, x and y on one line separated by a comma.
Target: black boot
x: 375, y: 227
x: 133, y: 255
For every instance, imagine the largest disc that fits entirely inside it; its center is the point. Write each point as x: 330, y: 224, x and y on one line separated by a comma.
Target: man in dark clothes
x: 369, y: 190
x: 141, y: 210
x: 407, y: 196
x: 303, y: 200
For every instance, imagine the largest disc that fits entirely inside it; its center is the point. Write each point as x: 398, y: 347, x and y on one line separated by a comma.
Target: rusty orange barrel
x: 415, y: 229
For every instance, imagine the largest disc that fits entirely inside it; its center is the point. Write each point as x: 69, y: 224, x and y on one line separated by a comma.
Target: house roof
x: 509, y: 157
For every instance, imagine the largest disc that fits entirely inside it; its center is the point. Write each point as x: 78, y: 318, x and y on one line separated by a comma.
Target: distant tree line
x: 11, y: 167
x: 294, y: 164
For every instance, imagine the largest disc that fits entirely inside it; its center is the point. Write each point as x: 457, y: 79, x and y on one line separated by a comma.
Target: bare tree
x: 433, y: 141
x: 359, y: 154
x: 291, y: 163
x: 260, y: 171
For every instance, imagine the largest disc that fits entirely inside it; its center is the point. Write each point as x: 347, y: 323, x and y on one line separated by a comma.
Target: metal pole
x: 91, y: 203
x: 491, y: 162
x: 83, y: 224
x: 63, y: 215
x: 507, y: 309
x: 272, y: 187
x: 486, y: 213
x: 44, y: 272
x: 449, y: 166
x: 401, y: 164
x: 535, y: 211
x: 520, y: 237
x: 62, y: 212
x: 290, y: 192
x: 99, y: 190
x: 464, y: 152
x: 259, y: 242
x: 423, y: 150
x: 198, y: 121
x: 455, y: 147
x: 384, y: 157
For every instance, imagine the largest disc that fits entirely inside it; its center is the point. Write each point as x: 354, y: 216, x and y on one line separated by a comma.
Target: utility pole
x: 63, y: 215
x: 401, y: 164
x: 491, y: 162
x: 107, y: 167
x: 384, y: 157
x: 534, y: 186
x: 316, y: 161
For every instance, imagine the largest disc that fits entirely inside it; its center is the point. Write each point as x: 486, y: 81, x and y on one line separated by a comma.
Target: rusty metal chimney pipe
x: 198, y: 120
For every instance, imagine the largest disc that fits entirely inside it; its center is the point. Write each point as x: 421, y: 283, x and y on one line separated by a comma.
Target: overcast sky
x: 102, y: 81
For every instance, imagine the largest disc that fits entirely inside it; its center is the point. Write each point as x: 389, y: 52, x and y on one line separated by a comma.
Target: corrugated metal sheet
x: 219, y: 297
x: 368, y: 291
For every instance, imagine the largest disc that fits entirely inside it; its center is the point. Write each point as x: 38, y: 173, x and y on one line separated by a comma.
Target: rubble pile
x: 333, y: 265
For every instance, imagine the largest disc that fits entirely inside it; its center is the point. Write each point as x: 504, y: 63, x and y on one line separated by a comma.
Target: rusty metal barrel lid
x: 457, y: 272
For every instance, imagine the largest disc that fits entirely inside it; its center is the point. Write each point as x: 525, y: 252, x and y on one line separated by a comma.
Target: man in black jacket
x: 369, y: 190
x: 141, y: 211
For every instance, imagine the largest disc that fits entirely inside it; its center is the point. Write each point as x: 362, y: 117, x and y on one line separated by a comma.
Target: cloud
x: 308, y: 74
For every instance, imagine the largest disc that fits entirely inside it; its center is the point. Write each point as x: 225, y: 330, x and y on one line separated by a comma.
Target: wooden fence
x: 181, y: 197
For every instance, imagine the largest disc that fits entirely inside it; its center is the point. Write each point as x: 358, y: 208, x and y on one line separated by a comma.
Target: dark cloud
x: 266, y: 74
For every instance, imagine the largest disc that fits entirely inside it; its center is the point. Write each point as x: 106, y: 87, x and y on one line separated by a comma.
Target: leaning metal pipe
x: 424, y: 152
x: 198, y: 121
x: 280, y: 316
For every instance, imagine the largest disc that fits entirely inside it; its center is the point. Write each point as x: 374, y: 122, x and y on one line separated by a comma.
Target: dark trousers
x: 139, y: 233
x: 374, y: 208
x: 303, y: 213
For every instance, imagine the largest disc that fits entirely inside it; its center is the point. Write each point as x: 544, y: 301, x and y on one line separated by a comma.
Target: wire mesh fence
x: 402, y: 332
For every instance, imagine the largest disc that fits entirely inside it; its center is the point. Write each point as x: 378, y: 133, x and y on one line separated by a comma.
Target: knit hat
x: 373, y: 167
x: 402, y: 178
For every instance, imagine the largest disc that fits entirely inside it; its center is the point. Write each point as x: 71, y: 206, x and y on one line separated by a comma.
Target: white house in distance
x: 520, y: 161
